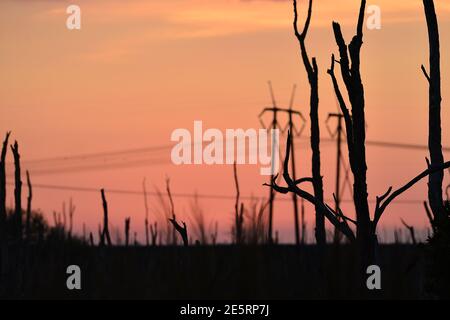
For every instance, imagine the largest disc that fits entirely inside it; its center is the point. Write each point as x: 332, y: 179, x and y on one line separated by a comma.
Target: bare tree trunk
x: 17, y: 193
x: 28, y: 218
x: 182, y: 230
x: 3, y: 188
x: 3, y: 229
x: 435, y: 180
x: 356, y: 130
x: 312, y: 71
x: 105, y: 232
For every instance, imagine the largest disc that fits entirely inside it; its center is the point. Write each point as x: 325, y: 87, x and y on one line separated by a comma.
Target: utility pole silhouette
x: 337, y: 193
x: 291, y: 126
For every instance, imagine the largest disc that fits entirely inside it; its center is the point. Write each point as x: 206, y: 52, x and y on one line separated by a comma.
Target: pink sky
x: 139, y: 69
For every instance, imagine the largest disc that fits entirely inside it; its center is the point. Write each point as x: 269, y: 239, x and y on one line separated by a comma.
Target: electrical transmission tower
x: 294, y: 132
x: 339, y: 163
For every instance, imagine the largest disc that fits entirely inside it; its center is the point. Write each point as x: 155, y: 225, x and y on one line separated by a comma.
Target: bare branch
x: 329, y: 213
x: 342, y: 105
x: 310, y: 69
x: 425, y: 73
x: 362, y: 10
x: 408, y: 185
x: 304, y: 33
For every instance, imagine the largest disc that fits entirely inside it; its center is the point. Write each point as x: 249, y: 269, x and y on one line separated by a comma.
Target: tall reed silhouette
x: 238, y: 229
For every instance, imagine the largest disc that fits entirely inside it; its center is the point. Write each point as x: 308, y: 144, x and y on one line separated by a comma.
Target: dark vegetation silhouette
x: 34, y: 253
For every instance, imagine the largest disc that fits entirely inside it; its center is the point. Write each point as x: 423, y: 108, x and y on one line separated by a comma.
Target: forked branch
x: 383, y: 201
x: 293, y: 186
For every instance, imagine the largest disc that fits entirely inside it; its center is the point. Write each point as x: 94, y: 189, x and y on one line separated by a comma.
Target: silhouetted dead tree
x: 17, y: 193
x: 434, y: 113
x: 411, y: 230
x: 172, y: 210
x: 238, y: 211
x: 312, y: 71
x: 355, y: 126
x: 29, y: 199
x: 105, y: 233
x: 3, y: 229
x: 127, y: 231
x: 440, y: 240
x: 3, y: 187
x: 182, y: 230
x: 337, y: 218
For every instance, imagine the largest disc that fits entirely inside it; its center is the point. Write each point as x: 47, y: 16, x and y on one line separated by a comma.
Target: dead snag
x: 356, y: 128
x: 28, y: 217
x: 435, y: 180
x: 3, y: 229
x: 411, y: 231
x: 172, y: 209
x: 105, y: 233
x: 17, y: 193
x: 3, y: 187
x: 182, y: 230
x: 337, y: 218
x: 312, y: 71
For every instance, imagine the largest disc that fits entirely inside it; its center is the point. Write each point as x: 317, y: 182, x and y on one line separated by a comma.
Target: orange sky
x: 139, y: 69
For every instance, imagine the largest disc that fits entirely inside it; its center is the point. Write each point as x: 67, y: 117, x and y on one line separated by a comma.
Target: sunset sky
x: 139, y: 69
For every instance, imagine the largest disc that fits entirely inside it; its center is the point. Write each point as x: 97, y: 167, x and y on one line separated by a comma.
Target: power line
x: 87, y: 156
x: 182, y: 195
